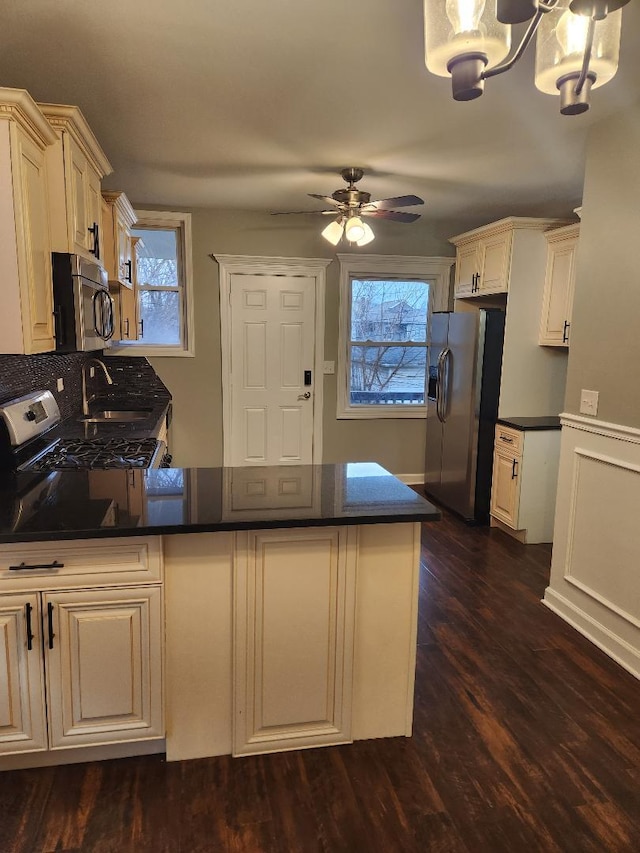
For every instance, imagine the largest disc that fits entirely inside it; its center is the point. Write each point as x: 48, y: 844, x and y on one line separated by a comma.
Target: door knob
x: 304, y: 396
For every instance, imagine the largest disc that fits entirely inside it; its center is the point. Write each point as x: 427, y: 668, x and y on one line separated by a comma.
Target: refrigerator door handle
x: 445, y: 355
x: 440, y: 385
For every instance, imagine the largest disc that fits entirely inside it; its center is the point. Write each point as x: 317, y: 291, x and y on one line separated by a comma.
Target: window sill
x: 382, y: 413
x: 150, y: 351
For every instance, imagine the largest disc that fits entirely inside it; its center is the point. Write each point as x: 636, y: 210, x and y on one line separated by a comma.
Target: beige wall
x: 195, y: 383
x: 605, y: 339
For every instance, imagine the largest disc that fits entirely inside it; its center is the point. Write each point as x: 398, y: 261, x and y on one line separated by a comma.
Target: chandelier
x: 577, y: 44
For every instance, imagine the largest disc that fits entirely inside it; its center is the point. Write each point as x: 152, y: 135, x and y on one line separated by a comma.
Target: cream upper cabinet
x: 118, y: 220
x: 559, y: 283
x: 26, y: 300
x: 484, y: 256
x: 76, y: 165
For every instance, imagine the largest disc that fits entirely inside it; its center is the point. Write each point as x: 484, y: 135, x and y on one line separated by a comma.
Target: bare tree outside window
x: 388, y: 342
x: 159, y: 288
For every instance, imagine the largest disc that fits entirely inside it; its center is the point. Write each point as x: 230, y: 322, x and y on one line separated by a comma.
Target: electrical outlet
x: 329, y: 368
x: 60, y: 384
x: 589, y: 402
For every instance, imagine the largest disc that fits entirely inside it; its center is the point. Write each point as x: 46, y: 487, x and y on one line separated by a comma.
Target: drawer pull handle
x: 508, y: 440
x: 23, y: 566
x: 50, y: 621
x: 28, y: 608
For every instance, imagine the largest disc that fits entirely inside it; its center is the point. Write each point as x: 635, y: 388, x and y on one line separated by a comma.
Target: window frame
x: 180, y: 223
x: 435, y: 270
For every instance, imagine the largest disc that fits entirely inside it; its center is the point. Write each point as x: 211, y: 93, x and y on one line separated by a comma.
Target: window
x: 385, y: 304
x: 164, y: 284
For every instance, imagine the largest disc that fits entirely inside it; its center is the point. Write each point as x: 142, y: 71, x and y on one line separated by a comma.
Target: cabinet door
x: 78, y: 197
x: 34, y: 243
x: 104, y: 671
x: 467, y: 267
x: 22, y: 708
x: 294, y: 625
x: 496, y: 257
x: 558, y: 293
x: 94, y: 214
x: 505, y: 490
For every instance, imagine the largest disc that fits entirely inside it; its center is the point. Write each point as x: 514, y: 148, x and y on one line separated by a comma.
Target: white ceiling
x: 251, y: 104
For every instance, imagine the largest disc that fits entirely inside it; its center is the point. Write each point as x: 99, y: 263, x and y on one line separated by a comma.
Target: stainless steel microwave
x: 83, y: 306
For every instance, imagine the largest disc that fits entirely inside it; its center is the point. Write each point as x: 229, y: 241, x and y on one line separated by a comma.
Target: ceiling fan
x: 350, y: 204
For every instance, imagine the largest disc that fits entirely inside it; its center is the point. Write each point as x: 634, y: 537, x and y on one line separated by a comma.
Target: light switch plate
x: 588, y: 402
x: 329, y: 368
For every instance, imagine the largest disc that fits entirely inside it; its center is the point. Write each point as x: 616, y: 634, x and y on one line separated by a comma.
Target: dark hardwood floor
x: 526, y: 738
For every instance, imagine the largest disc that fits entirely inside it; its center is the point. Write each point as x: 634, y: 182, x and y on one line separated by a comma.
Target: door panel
x: 104, y: 670
x: 294, y: 639
x: 461, y: 424
x: 272, y: 338
x: 22, y: 709
x: 433, y: 450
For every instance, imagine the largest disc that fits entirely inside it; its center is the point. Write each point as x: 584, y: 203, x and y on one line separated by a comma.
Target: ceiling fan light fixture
x: 333, y: 232
x: 369, y: 236
x: 354, y: 230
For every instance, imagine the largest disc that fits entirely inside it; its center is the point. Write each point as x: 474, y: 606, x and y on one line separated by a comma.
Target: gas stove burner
x: 80, y: 454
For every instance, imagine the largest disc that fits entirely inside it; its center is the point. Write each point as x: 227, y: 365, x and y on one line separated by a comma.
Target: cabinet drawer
x: 87, y: 562
x: 509, y: 439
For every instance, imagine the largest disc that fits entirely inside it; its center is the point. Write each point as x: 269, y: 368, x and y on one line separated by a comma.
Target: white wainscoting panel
x: 595, y: 577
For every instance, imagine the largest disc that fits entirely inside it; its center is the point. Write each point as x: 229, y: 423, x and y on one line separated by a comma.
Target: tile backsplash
x: 22, y: 374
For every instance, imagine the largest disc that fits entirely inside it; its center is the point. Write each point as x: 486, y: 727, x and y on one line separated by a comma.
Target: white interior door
x: 272, y: 370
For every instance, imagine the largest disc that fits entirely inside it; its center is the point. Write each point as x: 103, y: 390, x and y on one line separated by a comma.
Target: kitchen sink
x: 109, y: 415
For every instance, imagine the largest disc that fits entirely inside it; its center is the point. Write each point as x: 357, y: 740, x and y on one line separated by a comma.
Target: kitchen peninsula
x: 289, y: 599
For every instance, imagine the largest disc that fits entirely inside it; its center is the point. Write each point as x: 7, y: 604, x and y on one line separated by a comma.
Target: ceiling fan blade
x: 400, y: 201
x: 326, y: 198
x: 300, y: 212
x: 393, y: 215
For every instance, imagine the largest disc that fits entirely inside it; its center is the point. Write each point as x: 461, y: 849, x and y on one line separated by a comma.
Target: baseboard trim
x: 411, y: 479
x: 611, y: 644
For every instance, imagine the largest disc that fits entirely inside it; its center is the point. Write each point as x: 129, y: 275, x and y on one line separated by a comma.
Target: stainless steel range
x: 26, y: 443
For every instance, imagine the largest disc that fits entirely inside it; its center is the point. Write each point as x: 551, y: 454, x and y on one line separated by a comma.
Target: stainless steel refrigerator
x: 465, y: 361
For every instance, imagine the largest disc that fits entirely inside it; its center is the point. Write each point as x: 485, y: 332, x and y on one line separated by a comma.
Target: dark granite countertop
x: 137, y: 502
x: 525, y: 424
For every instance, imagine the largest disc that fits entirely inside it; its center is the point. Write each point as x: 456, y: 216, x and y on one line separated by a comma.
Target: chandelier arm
x: 587, y: 57
x: 542, y: 9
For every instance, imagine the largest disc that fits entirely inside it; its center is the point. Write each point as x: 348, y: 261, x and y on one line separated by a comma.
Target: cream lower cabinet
x: 294, y: 633
x: 523, y: 493
x: 82, y: 667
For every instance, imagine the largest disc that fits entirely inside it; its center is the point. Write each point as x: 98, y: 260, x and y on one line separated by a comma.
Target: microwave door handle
x: 94, y: 300
x: 110, y: 326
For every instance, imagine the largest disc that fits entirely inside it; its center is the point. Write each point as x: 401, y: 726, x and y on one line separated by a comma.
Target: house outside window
x: 164, y: 284
x: 385, y: 306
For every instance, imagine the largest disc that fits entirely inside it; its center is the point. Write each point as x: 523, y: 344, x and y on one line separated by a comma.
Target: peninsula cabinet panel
x: 294, y: 630
x: 22, y: 708
x: 104, y: 666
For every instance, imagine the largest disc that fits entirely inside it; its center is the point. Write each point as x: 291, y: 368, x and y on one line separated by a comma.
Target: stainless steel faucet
x: 107, y: 376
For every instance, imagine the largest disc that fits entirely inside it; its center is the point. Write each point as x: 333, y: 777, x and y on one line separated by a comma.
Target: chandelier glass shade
x: 577, y: 44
